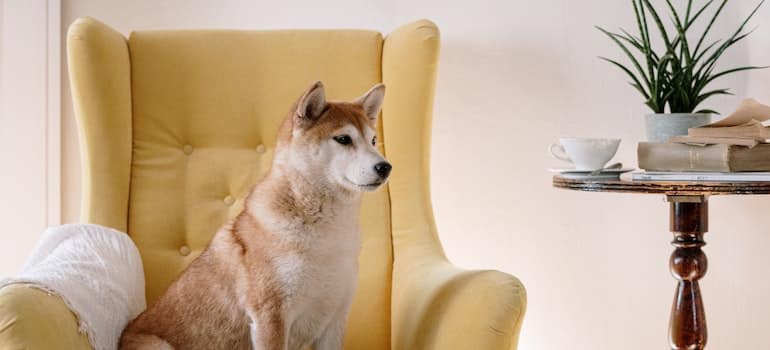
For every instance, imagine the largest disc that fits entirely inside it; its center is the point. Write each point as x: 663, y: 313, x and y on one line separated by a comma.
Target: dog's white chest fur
x: 319, y: 276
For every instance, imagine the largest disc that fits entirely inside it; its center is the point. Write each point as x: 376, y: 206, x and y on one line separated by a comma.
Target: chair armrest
x: 445, y: 307
x: 34, y: 319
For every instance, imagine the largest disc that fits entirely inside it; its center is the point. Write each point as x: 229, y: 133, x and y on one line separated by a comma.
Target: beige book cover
x: 719, y: 157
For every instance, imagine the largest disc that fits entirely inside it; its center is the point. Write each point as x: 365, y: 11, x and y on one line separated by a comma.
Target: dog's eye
x: 343, y: 139
x: 374, y: 141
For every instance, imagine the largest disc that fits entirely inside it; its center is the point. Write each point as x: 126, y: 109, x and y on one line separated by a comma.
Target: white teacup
x: 585, y: 153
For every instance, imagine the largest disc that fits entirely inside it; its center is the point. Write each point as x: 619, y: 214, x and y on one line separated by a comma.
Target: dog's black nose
x: 383, y: 169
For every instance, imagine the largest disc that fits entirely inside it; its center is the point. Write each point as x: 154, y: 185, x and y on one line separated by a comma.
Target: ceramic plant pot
x: 661, y: 127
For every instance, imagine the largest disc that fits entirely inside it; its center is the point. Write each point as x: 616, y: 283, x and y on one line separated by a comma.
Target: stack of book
x: 734, y: 149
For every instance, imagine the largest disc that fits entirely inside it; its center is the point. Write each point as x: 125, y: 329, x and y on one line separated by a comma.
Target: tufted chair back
x: 176, y: 126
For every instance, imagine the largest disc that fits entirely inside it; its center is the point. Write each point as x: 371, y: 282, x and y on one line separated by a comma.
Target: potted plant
x: 676, y: 76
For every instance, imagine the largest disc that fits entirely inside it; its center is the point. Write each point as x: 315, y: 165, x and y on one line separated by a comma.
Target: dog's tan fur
x: 281, y: 275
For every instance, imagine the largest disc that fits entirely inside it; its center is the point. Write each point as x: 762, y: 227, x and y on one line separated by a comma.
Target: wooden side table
x: 688, y: 223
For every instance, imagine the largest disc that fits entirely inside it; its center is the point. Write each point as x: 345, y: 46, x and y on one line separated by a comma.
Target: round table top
x: 693, y: 188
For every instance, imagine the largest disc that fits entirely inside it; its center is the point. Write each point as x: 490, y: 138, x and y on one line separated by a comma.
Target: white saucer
x: 585, y: 172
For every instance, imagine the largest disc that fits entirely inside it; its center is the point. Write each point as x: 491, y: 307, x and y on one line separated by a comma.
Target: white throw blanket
x: 98, y: 273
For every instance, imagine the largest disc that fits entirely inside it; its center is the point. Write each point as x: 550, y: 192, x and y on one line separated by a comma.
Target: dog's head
x: 335, y: 142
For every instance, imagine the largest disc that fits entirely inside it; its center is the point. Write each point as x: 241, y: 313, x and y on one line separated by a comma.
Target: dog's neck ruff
x: 290, y: 200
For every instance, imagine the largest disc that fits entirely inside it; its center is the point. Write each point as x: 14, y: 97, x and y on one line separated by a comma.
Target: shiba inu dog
x: 282, y: 274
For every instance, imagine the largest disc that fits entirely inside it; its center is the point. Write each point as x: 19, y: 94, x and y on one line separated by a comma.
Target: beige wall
x: 514, y: 76
x: 29, y: 167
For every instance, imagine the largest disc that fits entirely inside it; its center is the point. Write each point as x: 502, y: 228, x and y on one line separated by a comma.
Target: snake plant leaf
x: 641, y: 20
x: 703, y: 53
x: 706, y: 95
x: 753, y: 12
x: 630, y: 41
x: 707, y: 111
x: 699, y: 12
x: 635, y: 39
x: 627, y: 52
x: 733, y: 39
x: 708, y: 65
x: 726, y: 72
x: 638, y: 88
x: 681, y: 33
x: 690, y: 21
x: 710, y: 24
x: 629, y: 73
x: 659, y: 23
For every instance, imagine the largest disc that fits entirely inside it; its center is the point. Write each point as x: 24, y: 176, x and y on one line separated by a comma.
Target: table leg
x: 688, y: 264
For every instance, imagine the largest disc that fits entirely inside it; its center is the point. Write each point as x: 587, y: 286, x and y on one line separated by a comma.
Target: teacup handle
x: 558, y: 152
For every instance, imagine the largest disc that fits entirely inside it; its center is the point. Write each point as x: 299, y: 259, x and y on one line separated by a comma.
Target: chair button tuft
x: 187, y: 149
x: 184, y: 250
x: 261, y: 149
x: 229, y: 200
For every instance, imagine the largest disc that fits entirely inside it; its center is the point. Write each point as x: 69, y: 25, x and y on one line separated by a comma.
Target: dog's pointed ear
x: 372, y: 101
x: 312, y: 103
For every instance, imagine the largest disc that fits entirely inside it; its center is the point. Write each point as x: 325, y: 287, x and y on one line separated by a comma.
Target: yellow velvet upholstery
x: 175, y: 126
x: 33, y: 319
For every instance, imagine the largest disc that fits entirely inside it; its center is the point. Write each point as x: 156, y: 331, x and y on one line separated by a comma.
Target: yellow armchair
x: 175, y: 126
